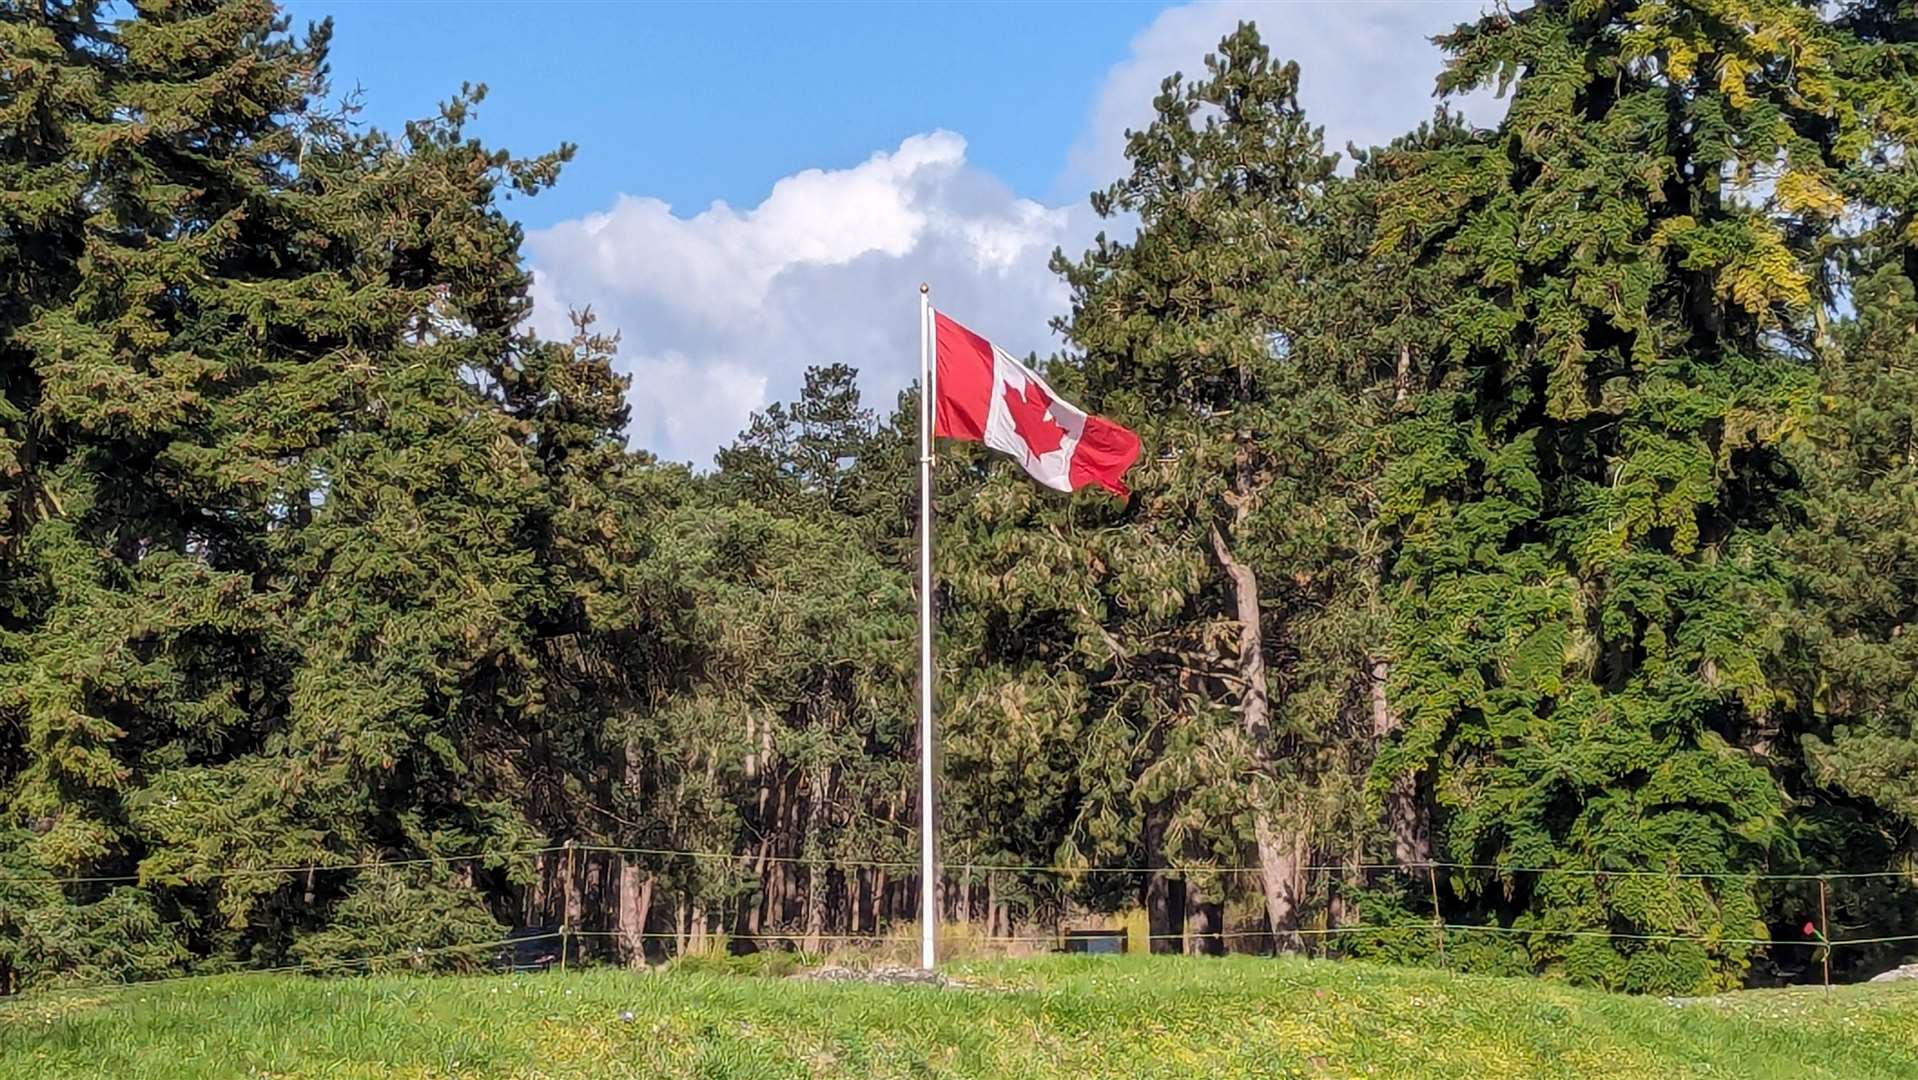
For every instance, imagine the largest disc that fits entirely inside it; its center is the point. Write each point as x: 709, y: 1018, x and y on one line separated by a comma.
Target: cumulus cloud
x: 723, y: 310
x: 1366, y: 69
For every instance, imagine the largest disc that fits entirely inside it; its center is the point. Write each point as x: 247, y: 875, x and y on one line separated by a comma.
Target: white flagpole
x: 928, y: 898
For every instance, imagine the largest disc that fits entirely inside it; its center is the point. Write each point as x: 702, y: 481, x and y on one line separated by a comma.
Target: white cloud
x: 721, y: 312
x: 1366, y: 69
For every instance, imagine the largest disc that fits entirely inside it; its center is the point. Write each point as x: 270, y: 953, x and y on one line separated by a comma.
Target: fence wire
x: 894, y: 936
x: 749, y: 857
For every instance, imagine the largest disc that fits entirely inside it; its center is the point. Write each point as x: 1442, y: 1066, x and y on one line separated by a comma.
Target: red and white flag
x: 984, y: 395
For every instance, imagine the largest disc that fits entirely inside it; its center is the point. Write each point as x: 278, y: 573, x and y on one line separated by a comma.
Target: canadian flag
x: 984, y: 395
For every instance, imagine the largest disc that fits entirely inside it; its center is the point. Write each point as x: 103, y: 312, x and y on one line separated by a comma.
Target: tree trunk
x: 1164, y: 895
x: 538, y: 891
x: 1278, y: 861
x: 593, y: 893
x: 752, y: 905
x: 855, y: 896
x: 755, y: 902
x: 816, y: 868
x: 1345, y: 907
x: 569, y: 887
x: 1402, y: 380
x: 1278, y: 880
x: 992, y: 905
x: 1207, y: 923
x: 1404, y: 817
x: 815, y: 910
x: 635, y: 903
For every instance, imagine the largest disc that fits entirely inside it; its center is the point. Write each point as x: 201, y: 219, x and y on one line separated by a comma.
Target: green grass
x: 1120, y: 1016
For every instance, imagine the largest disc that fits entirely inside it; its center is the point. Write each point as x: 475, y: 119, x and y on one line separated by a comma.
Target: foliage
x: 1585, y: 490
x: 1239, y: 591
x: 396, y: 919
x: 1535, y: 499
x: 48, y: 940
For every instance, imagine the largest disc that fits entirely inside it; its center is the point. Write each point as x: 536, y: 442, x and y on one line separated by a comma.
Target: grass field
x: 1121, y: 1016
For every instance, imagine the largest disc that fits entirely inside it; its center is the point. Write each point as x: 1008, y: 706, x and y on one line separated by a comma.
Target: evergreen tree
x: 804, y: 454
x: 1851, y: 617
x: 1536, y: 500
x: 1374, y: 334
x: 799, y: 637
x: 1848, y: 614
x: 271, y: 571
x: 144, y: 162
x: 1234, y: 585
x: 1585, y: 493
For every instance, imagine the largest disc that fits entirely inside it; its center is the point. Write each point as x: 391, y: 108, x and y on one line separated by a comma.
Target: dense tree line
x: 1538, y: 502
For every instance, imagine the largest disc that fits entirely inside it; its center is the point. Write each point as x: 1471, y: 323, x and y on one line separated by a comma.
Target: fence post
x: 1438, y: 920
x: 1824, y: 931
x: 566, y: 909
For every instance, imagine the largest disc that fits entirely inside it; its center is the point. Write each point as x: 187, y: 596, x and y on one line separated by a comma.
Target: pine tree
x: 1851, y: 612
x: 1236, y: 584
x: 803, y: 454
x: 785, y: 737
x: 1843, y: 756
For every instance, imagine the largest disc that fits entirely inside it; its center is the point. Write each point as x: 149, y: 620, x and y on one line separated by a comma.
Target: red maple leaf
x: 1041, y: 432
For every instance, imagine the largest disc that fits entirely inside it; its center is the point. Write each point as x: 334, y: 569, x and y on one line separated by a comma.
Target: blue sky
x: 697, y: 102
x: 760, y: 187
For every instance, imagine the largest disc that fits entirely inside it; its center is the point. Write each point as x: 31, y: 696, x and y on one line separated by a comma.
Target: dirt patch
x: 883, y: 975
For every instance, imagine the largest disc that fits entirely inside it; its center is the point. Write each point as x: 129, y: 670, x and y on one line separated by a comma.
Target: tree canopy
x: 1523, y: 540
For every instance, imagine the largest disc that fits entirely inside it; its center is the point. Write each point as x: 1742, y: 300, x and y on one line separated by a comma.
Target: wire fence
x: 492, y: 952
x: 197, y: 877
x: 193, y: 877
x: 1406, y: 867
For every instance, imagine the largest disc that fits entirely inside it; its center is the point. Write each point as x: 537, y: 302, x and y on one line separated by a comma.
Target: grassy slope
x: 1133, y: 1016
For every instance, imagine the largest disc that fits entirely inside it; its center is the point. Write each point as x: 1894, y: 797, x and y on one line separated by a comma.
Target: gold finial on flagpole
x: 923, y: 287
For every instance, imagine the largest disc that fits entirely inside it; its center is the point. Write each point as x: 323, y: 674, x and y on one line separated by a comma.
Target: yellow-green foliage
x: 1585, y: 494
